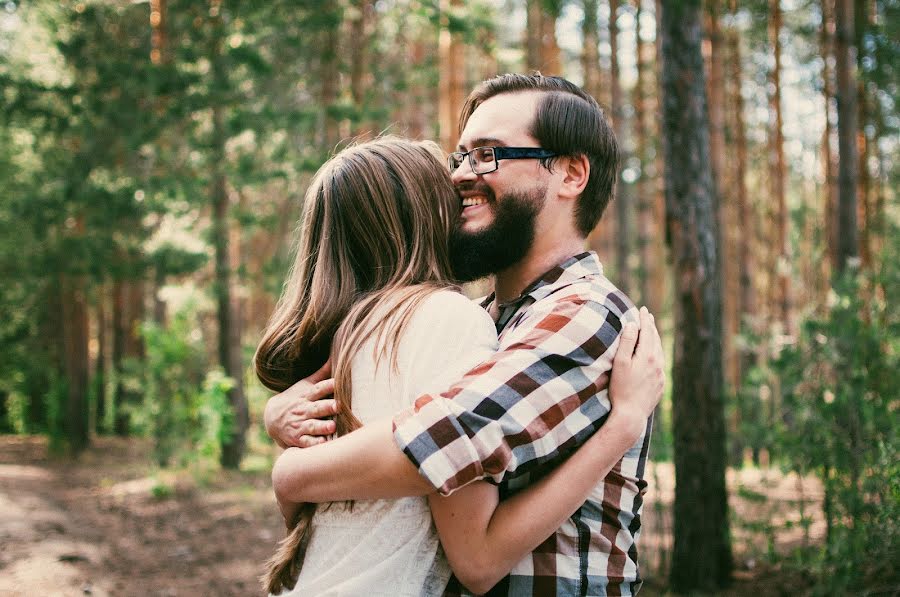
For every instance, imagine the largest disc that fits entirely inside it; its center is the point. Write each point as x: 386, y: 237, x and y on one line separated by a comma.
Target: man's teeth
x: 470, y: 201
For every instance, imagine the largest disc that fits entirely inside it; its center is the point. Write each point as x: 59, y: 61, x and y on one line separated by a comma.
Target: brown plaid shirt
x: 520, y: 413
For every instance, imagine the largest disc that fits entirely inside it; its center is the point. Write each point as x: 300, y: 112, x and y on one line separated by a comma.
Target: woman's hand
x: 638, y: 378
x: 295, y: 417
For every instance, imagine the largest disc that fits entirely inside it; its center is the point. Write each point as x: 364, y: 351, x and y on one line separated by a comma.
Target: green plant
x: 185, y: 408
x: 840, y: 421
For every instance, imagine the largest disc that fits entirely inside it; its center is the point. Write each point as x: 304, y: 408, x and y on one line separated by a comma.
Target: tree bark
x: 702, y: 551
x: 100, y: 365
x: 645, y: 193
x: 360, y: 75
x: 621, y: 196
x: 715, y: 93
x: 829, y: 160
x: 741, y: 224
x: 541, y: 49
x: 777, y: 175
x: 452, y: 79
x: 861, y: 20
x: 76, y: 361
x: 229, y: 346
x: 845, y: 63
x: 590, y: 55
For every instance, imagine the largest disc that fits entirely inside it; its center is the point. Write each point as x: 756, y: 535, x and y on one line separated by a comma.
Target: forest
x: 153, y: 160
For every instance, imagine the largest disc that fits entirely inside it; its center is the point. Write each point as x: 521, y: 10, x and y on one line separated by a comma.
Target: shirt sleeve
x: 538, y: 398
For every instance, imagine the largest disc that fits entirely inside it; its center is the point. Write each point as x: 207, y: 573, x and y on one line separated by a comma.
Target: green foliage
x: 840, y: 421
x: 184, y: 409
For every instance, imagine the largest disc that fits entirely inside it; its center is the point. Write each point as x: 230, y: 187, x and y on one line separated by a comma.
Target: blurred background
x: 153, y: 159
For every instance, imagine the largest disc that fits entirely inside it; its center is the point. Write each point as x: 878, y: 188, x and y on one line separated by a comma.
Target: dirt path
x: 96, y: 528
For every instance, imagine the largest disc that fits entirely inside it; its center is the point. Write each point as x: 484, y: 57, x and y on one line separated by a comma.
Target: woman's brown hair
x: 372, y: 245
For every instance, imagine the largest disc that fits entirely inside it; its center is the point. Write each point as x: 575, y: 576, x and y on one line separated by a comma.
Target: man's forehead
x: 504, y: 119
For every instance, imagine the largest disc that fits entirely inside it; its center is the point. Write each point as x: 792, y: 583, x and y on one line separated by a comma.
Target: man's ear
x: 577, y: 170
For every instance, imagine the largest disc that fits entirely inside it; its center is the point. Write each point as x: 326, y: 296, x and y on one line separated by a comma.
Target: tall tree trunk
x: 229, y: 346
x: 845, y: 63
x: 76, y: 361
x: 861, y: 21
x: 702, y: 550
x: 590, y: 54
x: 101, y: 362
x: 777, y: 175
x: 829, y: 160
x: 128, y: 313
x: 329, y: 67
x: 362, y: 11
x: 741, y: 224
x: 417, y: 98
x: 601, y: 238
x: 541, y: 49
x: 452, y: 78
x: 158, y: 32
x: 715, y: 93
x: 646, y: 223
x: 621, y: 196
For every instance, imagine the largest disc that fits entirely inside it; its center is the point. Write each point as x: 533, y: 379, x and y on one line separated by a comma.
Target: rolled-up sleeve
x: 538, y: 398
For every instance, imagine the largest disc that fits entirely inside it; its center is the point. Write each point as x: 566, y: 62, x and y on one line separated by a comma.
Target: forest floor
x: 107, y: 524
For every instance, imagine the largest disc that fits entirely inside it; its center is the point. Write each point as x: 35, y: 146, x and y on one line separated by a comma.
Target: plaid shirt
x: 514, y: 417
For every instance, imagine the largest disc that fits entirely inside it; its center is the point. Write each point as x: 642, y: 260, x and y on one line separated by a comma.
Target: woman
x: 371, y: 289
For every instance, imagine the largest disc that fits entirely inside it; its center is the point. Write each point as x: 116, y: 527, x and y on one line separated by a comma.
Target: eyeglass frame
x: 501, y: 152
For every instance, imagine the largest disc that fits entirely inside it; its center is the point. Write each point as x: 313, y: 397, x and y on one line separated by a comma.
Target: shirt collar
x: 581, y: 266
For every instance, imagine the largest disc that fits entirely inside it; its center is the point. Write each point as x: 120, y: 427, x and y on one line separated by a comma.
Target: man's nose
x: 464, y: 172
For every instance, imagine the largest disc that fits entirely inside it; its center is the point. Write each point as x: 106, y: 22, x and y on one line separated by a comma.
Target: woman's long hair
x: 373, y: 244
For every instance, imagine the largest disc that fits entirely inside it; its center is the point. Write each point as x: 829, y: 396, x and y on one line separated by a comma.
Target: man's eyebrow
x: 483, y: 142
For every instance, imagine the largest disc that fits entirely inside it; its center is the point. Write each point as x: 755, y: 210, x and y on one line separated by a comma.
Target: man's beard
x: 505, y: 241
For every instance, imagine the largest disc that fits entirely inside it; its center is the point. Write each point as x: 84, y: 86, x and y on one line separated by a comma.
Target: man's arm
x: 536, y: 400
x: 484, y: 538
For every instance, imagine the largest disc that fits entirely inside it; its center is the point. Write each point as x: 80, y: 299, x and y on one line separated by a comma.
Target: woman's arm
x: 484, y: 538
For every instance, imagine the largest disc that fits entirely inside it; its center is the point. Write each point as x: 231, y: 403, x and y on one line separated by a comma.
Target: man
x: 535, y: 169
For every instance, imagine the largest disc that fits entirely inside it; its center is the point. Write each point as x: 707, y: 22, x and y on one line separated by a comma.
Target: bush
x: 185, y: 408
x: 840, y: 421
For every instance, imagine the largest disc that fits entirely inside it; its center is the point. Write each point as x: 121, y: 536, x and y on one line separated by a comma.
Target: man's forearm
x: 365, y: 464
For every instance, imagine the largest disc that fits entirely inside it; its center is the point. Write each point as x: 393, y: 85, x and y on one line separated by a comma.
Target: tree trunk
x: 864, y: 212
x: 829, y: 161
x: 329, y: 63
x: 452, y: 78
x: 541, y: 49
x: 158, y: 33
x: 590, y: 55
x: 715, y: 93
x: 621, y: 196
x: 360, y: 27
x: 601, y: 238
x: 845, y: 63
x: 76, y: 363
x: 229, y: 346
x: 100, y: 365
x: 777, y: 176
x: 745, y: 306
x: 646, y: 224
x: 128, y: 313
x: 702, y: 551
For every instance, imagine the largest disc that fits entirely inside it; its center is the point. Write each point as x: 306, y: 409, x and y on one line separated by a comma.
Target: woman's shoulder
x: 449, y: 307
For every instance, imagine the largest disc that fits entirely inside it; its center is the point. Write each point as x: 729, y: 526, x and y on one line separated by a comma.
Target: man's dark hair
x: 568, y: 122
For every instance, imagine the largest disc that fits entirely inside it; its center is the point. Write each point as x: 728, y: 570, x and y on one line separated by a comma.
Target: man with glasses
x: 535, y: 168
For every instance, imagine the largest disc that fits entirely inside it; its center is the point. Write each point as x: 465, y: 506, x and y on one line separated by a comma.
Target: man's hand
x: 293, y: 417
x: 638, y: 378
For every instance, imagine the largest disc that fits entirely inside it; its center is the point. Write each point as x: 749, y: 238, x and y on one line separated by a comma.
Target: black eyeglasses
x: 484, y: 160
